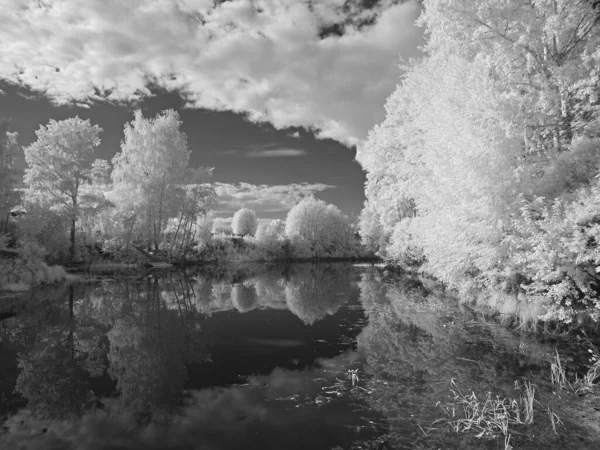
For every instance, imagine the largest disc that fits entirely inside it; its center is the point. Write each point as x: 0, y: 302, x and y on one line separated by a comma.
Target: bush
x: 222, y: 226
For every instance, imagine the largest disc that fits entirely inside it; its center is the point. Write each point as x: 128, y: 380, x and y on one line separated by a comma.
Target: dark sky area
x: 220, y: 139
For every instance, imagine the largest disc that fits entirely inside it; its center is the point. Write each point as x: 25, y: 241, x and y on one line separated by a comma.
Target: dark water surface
x: 303, y: 356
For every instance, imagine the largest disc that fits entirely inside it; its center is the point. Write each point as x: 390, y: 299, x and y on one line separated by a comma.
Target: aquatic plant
x: 490, y: 417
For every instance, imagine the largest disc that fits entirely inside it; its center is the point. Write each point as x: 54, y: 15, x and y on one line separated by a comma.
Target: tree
x: 322, y: 226
x: 244, y: 222
x: 501, y: 111
x: 545, y: 56
x: 196, y: 197
x: 59, y: 164
x: 8, y: 173
x: 151, y: 174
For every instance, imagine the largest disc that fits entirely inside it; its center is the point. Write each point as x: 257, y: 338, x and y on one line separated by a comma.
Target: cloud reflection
x: 307, y: 409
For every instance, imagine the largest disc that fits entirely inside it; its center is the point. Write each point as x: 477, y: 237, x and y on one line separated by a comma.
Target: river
x: 258, y: 356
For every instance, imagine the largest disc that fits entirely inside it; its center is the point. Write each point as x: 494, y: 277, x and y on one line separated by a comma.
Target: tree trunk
x: 73, y: 220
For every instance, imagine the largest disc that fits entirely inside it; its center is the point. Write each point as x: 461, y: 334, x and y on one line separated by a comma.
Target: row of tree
x: 312, y: 229
x: 486, y: 166
x: 147, y: 197
x: 150, y: 182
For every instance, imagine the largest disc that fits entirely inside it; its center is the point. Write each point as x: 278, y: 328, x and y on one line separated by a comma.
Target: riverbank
x: 493, y: 382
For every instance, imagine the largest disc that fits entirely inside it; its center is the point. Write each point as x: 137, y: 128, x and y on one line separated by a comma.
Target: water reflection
x: 312, y: 294
x: 288, y: 409
x: 255, y: 356
x: 418, y: 340
x: 135, y: 344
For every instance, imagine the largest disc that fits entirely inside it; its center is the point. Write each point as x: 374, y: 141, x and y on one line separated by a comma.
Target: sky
x: 276, y: 95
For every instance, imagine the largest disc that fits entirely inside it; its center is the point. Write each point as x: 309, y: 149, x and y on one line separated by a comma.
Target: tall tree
x: 59, y: 164
x: 502, y: 108
x: 150, y: 172
x: 8, y: 173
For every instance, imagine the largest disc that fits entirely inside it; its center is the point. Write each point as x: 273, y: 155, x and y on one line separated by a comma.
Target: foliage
x: 59, y: 164
x: 9, y: 176
x: 222, y: 225
x: 28, y: 268
x: 244, y: 222
x: 152, y: 182
x: 321, y: 226
x: 484, y: 169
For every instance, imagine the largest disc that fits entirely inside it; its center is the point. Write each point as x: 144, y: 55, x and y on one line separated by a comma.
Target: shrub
x: 222, y: 226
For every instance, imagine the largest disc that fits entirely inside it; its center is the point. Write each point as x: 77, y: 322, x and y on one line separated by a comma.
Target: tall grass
x: 558, y: 375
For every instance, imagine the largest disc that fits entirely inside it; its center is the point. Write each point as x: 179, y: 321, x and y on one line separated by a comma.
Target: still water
x: 327, y: 356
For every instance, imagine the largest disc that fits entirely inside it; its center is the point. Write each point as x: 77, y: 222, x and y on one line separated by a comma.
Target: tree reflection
x: 314, y: 292
x: 137, y: 336
x: 244, y: 297
x: 55, y: 373
x: 417, y: 341
x: 151, y: 345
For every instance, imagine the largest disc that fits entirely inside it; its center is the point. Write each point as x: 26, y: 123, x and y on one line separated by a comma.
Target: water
x: 302, y: 356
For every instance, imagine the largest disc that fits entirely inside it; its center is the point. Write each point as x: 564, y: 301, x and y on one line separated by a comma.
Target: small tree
x: 60, y: 163
x: 244, y: 222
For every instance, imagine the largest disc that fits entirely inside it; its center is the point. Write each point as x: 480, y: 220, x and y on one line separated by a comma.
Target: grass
x: 588, y: 382
x: 558, y: 375
x: 554, y: 419
x: 585, y: 384
x: 491, y: 417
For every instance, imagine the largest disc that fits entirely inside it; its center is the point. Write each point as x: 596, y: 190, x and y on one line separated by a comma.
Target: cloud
x: 269, y: 150
x: 295, y: 135
x: 282, y: 152
x: 263, y: 198
x: 327, y: 65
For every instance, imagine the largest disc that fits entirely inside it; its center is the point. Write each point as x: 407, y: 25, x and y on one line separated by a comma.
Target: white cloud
x: 263, y: 198
x: 280, y: 152
x: 268, y: 150
x: 295, y: 135
x: 261, y: 57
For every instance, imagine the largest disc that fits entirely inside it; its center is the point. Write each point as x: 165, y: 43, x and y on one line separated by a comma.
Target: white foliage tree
x: 244, y: 222
x: 502, y: 110
x: 321, y: 225
x: 8, y: 173
x: 152, y: 181
x: 59, y: 166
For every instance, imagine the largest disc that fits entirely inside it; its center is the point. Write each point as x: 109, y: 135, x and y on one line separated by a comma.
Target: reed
x: 490, y: 416
x: 558, y: 375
